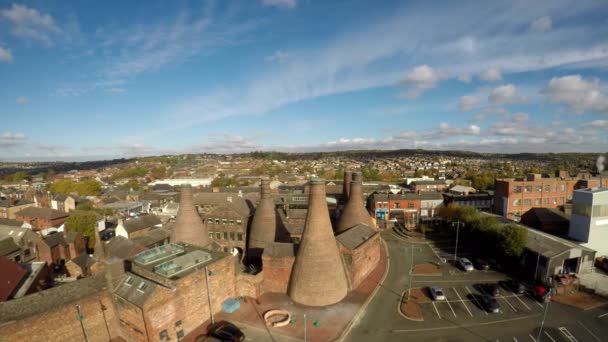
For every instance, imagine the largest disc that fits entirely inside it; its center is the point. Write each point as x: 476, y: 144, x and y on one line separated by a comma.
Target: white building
x: 589, y: 221
x: 180, y: 181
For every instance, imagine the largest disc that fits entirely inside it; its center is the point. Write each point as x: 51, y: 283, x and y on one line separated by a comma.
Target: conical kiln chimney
x: 354, y: 212
x: 189, y: 227
x: 318, y: 276
x: 264, y: 222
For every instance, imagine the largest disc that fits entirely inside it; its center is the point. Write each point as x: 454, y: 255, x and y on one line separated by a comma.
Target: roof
x: 356, y: 236
x: 549, y: 215
x: 84, y: 261
x: 55, y: 239
x: 280, y: 250
x: 50, y: 299
x: 428, y: 182
x: 142, y: 222
x: 135, y: 289
x: 8, y: 246
x: 18, y: 202
x: 12, y: 275
x: 61, y: 198
x: 122, y: 247
x: 462, y: 188
x: 9, y: 222
x: 431, y: 196
x: 152, y: 237
x: 42, y: 213
x: 212, y: 200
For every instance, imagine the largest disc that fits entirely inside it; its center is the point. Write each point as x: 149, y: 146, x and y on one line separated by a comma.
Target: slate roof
x: 9, y: 222
x: 122, y: 247
x: 152, y: 237
x: 50, y: 299
x: 8, y: 246
x: 220, y: 201
x: 42, y: 213
x: 135, y: 289
x: 280, y: 250
x: 142, y: 222
x: 12, y: 275
x: 56, y: 239
x: 356, y: 236
x: 84, y: 261
x: 18, y: 202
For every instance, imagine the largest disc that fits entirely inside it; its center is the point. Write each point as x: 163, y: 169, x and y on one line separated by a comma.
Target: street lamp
x: 536, y: 238
x: 542, y: 324
x: 457, y: 224
x: 207, y: 274
x: 409, y: 288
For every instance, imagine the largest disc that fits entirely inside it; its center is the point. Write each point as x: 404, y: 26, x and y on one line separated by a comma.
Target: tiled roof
x: 122, y: 247
x: 356, y: 236
x: 135, y: 289
x: 141, y: 222
x: 9, y: 222
x: 53, y: 240
x: 152, y: 237
x: 42, y: 213
x: 8, y: 246
x: 280, y: 249
x: 12, y: 275
x: 83, y: 261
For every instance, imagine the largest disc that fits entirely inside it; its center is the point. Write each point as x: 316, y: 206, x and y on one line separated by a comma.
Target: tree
x: 512, y: 240
x: 88, y: 187
x: 84, y: 222
x: 17, y: 177
x: 132, y: 184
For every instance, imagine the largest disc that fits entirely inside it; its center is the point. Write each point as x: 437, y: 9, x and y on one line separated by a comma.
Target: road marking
x: 589, y: 331
x: 466, y: 325
x: 533, y: 339
x: 463, y: 303
x: 535, y: 301
x: 549, y: 336
x: 521, y: 301
x: 475, y: 298
x: 603, y: 315
x: 450, y: 305
x: 512, y: 307
x: 438, y: 257
x: 567, y: 334
x: 437, y: 311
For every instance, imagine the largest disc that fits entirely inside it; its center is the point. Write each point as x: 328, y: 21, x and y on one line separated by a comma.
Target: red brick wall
x: 249, y: 285
x: 364, y: 260
x: 61, y: 325
x: 277, y: 272
x: 131, y: 320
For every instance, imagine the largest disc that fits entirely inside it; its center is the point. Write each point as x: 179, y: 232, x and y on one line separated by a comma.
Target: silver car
x: 466, y: 264
x: 436, y: 293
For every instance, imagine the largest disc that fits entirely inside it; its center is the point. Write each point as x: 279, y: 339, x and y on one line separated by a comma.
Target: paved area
x: 461, y: 317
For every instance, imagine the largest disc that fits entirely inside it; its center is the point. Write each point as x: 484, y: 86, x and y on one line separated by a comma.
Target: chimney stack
x: 189, y: 227
x: 354, y: 212
x: 318, y: 277
x: 264, y: 222
x: 348, y: 177
x: 357, y: 176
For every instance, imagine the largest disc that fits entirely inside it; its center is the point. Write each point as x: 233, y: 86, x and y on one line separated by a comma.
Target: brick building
x: 514, y: 197
x: 19, y: 244
x: 137, y: 226
x: 10, y: 206
x: 61, y: 246
x: 41, y: 218
x: 428, y: 185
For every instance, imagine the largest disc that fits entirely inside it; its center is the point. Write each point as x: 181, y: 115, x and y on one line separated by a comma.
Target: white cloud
x: 520, y: 117
x: 280, y: 3
x: 9, y: 139
x: 580, y: 95
x: 465, y: 77
x: 596, y: 124
x: 467, y: 102
x: 421, y: 79
x: 29, y: 23
x: 21, y: 100
x: 277, y: 56
x: 506, y: 94
x: 541, y: 24
x: 5, y: 55
x: 446, y: 129
x: 491, y: 75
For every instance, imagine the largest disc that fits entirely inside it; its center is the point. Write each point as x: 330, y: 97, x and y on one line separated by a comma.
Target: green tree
x: 88, y: 187
x: 84, y: 222
x: 370, y: 174
x: 132, y: 184
x: 512, y: 240
x: 17, y: 177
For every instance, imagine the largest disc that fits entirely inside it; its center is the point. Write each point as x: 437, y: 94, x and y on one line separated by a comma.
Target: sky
x: 84, y: 80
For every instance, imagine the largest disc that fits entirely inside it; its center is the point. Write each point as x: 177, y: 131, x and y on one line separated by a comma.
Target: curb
x: 369, y: 298
x: 404, y: 315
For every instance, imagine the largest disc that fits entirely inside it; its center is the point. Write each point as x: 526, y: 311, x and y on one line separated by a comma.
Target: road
x: 461, y: 319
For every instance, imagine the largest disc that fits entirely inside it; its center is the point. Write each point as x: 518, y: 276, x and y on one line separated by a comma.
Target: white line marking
x: 463, y: 303
x: 589, y: 331
x: 533, y: 339
x: 535, y: 301
x: 450, y: 305
x: 549, y: 336
x: 476, y: 301
x: 512, y: 307
x: 567, y: 334
x: 521, y: 301
x: 437, y: 311
x: 603, y: 315
x: 438, y: 257
x: 460, y: 326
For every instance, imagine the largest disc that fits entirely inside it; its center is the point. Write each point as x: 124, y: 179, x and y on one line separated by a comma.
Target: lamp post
x: 80, y: 318
x: 409, y: 288
x: 538, y: 257
x: 209, y: 294
x: 542, y: 323
x: 457, y: 225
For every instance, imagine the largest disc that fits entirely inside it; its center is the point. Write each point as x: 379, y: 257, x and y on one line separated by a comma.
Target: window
x: 217, y: 221
x: 129, y: 280
x: 178, y: 323
x: 562, y: 187
x: 239, y: 221
x: 218, y: 235
x: 239, y: 236
x: 517, y: 189
x: 397, y: 205
x: 527, y: 202
x: 539, y: 188
x: 225, y: 235
x: 231, y: 221
x: 528, y: 188
x: 554, y: 187
x: 232, y: 236
x: 516, y: 203
x: 546, y: 200
x: 180, y: 334
x: 224, y: 221
x: 410, y: 205
x: 537, y: 201
x: 554, y: 200
x: 547, y: 188
x: 164, y: 335
x: 210, y: 220
x: 142, y: 287
x: 211, y: 235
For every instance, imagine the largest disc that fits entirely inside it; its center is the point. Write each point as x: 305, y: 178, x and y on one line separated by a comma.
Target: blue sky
x: 92, y: 79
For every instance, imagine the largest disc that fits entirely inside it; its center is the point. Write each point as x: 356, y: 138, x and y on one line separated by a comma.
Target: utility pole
x: 304, y: 327
x: 538, y: 256
x: 209, y: 295
x: 409, y: 288
x: 457, y: 232
x: 80, y: 318
x: 542, y: 324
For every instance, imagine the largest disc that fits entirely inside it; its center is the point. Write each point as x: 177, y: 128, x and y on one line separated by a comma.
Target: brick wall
x: 277, y: 272
x: 61, y: 324
x: 249, y: 285
x: 361, y: 261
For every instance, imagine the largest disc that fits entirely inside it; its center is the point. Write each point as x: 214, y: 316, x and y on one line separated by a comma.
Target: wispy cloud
x: 29, y: 23
x: 277, y: 56
x: 5, y: 55
x: 541, y: 24
x: 21, y: 100
x: 9, y: 139
x: 280, y: 3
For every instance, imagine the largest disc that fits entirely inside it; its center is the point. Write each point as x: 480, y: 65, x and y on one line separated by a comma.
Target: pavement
x: 461, y: 317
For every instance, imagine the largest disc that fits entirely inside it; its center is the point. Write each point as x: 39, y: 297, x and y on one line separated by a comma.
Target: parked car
x: 492, y: 289
x: 482, y: 265
x: 490, y: 304
x: 436, y: 293
x: 226, y: 331
x: 513, y: 286
x: 466, y: 264
x: 541, y: 294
